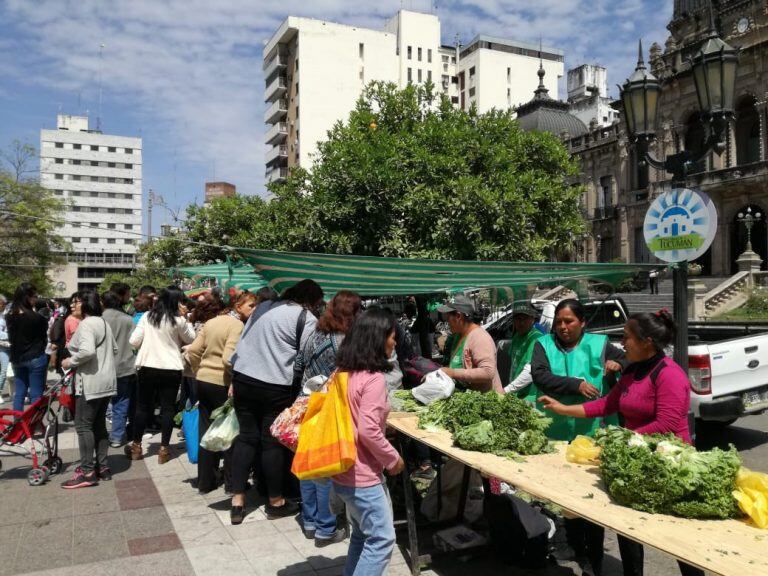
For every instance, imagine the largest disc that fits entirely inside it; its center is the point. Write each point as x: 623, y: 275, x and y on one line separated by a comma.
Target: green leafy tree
x: 28, y: 244
x: 410, y: 175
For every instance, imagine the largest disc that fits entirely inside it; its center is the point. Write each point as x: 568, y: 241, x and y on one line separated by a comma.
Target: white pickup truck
x: 728, y: 363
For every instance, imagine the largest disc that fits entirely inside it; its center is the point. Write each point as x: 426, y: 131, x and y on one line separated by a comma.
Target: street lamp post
x: 749, y: 220
x: 714, y: 76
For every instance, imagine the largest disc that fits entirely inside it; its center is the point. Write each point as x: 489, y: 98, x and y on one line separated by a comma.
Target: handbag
x: 285, y: 429
x: 298, y: 363
x: 190, y: 425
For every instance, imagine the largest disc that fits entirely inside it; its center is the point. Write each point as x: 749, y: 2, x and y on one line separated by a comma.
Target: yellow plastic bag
x: 326, y: 436
x: 752, y: 495
x: 582, y: 450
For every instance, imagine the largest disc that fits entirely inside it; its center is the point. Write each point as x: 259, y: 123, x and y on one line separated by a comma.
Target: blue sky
x: 186, y: 74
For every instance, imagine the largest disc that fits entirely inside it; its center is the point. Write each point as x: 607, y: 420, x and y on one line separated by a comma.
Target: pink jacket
x: 367, y: 393
x: 649, y: 408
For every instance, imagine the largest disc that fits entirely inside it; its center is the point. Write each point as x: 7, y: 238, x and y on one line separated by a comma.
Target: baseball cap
x: 460, y: 304
x: 524, y: 307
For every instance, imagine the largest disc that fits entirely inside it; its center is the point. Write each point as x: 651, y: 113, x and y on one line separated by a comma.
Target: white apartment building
x: 588, y: 95
x: 99, y: 178
x: 314, y: 72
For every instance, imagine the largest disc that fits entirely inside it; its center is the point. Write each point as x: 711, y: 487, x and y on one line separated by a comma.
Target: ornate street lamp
x: 714, y: 76
x: 749, y: 220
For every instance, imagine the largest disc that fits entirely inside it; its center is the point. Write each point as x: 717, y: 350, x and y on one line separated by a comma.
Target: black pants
x: 92, y: 435
x: 257, y: 404
x: 209, y: 397
x: 166, y: 384
x: 586, y: 539
x: 632, y: 556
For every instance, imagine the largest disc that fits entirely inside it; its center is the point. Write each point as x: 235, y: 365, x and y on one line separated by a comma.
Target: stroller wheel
x: 55, y: 465
x: 36, y: 477
x: 46, y: 471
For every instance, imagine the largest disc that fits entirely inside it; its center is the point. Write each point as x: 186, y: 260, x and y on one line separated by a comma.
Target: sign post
x: 679, y: 227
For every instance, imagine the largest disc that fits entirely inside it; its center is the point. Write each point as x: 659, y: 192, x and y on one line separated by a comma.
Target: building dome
x: 544, y: 114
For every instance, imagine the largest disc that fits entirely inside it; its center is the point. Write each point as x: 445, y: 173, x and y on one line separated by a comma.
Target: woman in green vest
x: 521, y: 348
x: 573, y: 366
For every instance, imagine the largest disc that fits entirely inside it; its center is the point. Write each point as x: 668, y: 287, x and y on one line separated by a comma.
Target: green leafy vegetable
x: 661, y: 474
x: 403, y: 401
x: 489, y: 423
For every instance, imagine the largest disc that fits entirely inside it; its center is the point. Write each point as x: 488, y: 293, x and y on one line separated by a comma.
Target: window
x: 606, y: 188
x: 453, y: 59
x: 111, y: 210
x: 429, y: 55
x: 111, y: 226
x: 76, y: 209
x: 410, y: 79
x: 75, y: 224
x: 77, y: 146
x: 361, y: 49
x: 130, y: 150
x: 509, y: 74
x: 297, y: 87
x: 76, y: 193
x: 111, y: 180
x: 94, y: 148
x: 296, y: 66
x: 110, y: 241
x: 111, y: 149
x: 429, y: 75
x: 472, y: 71
x: 59, y: 161
x: 419, y: 74
x: 471, y: 92
x: 418, y: 54
x: 94, y: 240
x: 128, y: 226
x: 445, y: 58
x: 76, y: 177
x: 59, y: 145
x: 128, y: 241
x: 110, y: 165
x: 75, y: 162
x: 59, y: 176
x: 59, y: 192
x: 128, y: 166
x: 410, y: 52
x: 75, y: 239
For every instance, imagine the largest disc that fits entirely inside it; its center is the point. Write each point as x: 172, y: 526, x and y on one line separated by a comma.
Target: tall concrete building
x: 588, y: 96
x: 98, y: 176
x: 215, y: 190
x: 314, y: 72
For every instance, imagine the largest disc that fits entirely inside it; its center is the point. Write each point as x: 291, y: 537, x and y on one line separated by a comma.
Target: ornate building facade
x: 619, y: 188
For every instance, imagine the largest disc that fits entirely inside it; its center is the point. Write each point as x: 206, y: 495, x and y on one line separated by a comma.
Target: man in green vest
x: 521, y: 347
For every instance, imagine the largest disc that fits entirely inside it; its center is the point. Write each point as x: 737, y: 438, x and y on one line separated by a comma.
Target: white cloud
x: 190, y: 70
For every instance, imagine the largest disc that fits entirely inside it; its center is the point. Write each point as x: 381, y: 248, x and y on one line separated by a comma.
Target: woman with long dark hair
x: 263, y: 386
x: 159, y: 336
x: 319, y: 359
x: 28, y: 337
x: 653, y: 396
x: 92, y: 352
x: 365, y: 354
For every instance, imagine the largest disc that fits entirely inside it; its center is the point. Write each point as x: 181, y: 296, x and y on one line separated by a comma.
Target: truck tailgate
x: 739, y: 365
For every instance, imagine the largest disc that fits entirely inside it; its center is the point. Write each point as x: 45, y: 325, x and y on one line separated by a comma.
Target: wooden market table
x: 726, y: 547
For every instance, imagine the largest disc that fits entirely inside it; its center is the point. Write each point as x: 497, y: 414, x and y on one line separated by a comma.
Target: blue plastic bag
x: 190, y: 422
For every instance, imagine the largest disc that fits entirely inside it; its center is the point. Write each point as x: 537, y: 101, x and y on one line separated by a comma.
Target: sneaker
x: 104, y: 474
x: 80, y: 480
x: 335, y: 538
x: 287, y: 509
x: 115, y: 444
x: 308, y: 534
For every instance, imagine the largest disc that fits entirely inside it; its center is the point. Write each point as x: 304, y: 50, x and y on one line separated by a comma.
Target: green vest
x: 586, y: 361
x: 520, y: 352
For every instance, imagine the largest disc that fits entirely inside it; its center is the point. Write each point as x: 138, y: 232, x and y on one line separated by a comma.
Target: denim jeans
x: 29, y: 377
x: 373, y: 529
x: 316, y: 509
x: 4, y: 361
x: 122, y: 402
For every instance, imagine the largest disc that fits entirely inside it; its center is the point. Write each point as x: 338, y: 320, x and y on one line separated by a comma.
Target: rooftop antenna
x: 101, y: 62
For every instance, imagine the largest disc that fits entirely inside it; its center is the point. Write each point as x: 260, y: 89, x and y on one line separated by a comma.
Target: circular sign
x: 680, y: 225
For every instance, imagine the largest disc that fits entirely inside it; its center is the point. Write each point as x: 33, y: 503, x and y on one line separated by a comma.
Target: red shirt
x: 649, y: 408
x: 368, y: 401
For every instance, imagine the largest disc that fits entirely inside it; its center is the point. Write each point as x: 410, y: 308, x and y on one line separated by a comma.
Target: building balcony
x: 604, y: 213
x: 277, y: 133
x: 276, y: 111
x: 276, y: 174
x: 276, y: 154
x: 276, y: 88
x: 277, y: 62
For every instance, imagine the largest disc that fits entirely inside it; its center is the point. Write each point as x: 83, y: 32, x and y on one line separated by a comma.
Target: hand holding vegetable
x: 587, y: 390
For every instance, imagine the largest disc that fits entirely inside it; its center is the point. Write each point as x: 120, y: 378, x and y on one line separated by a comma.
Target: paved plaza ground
x: 150, y: 520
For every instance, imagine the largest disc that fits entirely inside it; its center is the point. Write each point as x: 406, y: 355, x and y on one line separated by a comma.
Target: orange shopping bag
x: 327, y: 434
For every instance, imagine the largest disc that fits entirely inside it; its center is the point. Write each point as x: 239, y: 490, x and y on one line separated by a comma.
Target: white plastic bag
x: 437, y: 386
x: 222, y: 432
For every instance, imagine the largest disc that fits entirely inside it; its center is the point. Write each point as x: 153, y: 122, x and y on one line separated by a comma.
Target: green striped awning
x: 238, y: 275
x: 378, y: 276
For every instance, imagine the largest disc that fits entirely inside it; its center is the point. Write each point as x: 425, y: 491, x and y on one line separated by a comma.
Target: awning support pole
x: 680, y: 312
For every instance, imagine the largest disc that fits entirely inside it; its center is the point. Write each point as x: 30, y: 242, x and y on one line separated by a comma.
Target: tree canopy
x: 28, y: 244
x: 407, y: 174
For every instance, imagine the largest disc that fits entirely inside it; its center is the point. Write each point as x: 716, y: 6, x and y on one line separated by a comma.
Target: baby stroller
x: 42, y: 416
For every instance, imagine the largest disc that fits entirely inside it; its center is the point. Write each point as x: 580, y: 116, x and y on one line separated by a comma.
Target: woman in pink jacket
x: 365, y: 354
x: 652, y: 397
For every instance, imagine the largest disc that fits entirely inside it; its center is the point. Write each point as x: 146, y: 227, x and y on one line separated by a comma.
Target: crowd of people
x: 263, y: 350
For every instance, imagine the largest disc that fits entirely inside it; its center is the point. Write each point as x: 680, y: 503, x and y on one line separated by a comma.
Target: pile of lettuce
x: 488, y: 423
x: 661, y: 474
